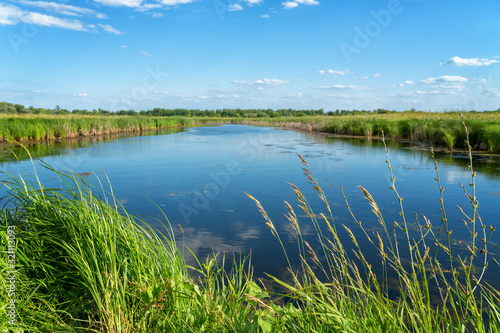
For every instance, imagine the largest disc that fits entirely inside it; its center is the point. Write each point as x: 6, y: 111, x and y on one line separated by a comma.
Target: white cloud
x: 10, y: 15
x: 295, y: 3
x: 343, y: 87
x: 110, y: 29
x: 338, y: 72
x: 148, y: 6
x: 119, y: 3
x: 222, y: 96
x: 308, y: 2
x: 334, y: 72
x: 289, y: 4
x: 62, y: 8
x: 80, y: 95
x: 234, y: 7
x: 492, y: 91
x: 299, y: 95
x: 265, y: 16
x: 123, y: 46
x: 176, y: 2
x: 403, y: 84
x: 253, y: 2
x: 377, y: 75
x: 457, y: 61
x: 144, y: 53
x: 156, y: 15
x: 262, y: 83
x: 431, y: 92
x: 446, y: 79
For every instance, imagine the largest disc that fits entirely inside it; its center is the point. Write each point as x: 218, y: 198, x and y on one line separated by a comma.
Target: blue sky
x: 433, y: 55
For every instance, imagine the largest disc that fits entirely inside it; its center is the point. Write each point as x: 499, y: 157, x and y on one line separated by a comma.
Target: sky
x: 431, y: 55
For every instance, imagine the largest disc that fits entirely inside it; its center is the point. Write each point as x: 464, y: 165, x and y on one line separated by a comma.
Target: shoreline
x: 444, y: 135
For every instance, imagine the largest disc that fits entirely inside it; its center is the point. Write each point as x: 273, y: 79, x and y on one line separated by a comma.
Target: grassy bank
x: 441, y: 129
x: 80, y: 263
x: 49, y: 127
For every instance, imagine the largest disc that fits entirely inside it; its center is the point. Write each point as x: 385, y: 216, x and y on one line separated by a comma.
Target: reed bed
x: 440, y: 129
x: 82, y: 264
x: 43, y: 127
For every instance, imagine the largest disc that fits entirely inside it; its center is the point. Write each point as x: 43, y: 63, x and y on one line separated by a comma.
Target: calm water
x: 199, y: 178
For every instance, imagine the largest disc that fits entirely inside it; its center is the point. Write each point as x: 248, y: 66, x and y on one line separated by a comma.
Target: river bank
x: 436, y: 129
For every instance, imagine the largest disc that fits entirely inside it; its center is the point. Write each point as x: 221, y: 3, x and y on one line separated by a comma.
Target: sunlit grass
x: 45, y: 127
x: 442, y: 129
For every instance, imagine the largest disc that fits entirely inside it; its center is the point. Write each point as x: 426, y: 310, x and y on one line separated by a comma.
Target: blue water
x: 199, y: 178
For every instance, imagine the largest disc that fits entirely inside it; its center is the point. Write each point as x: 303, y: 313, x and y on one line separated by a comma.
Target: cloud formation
x: 261, y: 83
x: 343, y: 87
x: 110, y: 29
x: 234, y: 7
x: 446, y: 79
x: 457, y: 61
x: 403, y: 83
x: 295, y: 3
x: 334, y: 72
x: 10, y: 15
x: 62, y: 8
x: 253, y: 2
x: 119, y: 3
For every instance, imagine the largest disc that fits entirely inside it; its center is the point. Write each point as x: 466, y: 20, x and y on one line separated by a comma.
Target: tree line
x: 9, y: 108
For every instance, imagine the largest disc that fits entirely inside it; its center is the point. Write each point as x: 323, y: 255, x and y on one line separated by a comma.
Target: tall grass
x: 84, y: 265
x: 37, y: 127
x: 442, y: 129
x: 436, y: 128
x: 426, y: 266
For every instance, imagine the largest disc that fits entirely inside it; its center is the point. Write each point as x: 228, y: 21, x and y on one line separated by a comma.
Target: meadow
x: 76, y: 261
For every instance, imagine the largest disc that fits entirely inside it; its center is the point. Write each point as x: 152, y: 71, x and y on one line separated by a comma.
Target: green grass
x: 441, y: 129
x: 84, y: 265
x: 42, y: 127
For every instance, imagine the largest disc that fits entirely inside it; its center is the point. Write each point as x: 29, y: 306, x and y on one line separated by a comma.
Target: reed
x: 440, y: 129
x: 353, y: 298
x: 36, y: 128
x: 84, y: 265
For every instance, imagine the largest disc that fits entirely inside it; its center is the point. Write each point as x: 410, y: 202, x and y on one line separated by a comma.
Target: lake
x: 199, y: 177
